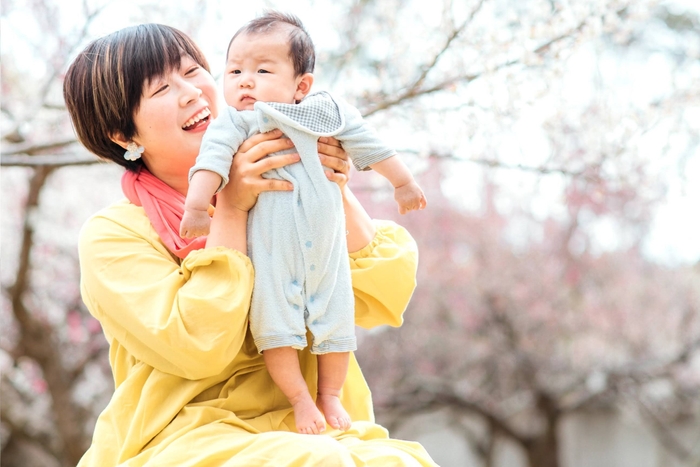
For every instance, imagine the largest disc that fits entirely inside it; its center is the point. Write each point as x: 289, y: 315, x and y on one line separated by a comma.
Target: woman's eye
x: 160, y: 89
x: 192, y: 70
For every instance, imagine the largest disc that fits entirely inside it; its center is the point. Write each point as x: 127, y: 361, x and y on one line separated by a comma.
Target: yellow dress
x: 190, y: 386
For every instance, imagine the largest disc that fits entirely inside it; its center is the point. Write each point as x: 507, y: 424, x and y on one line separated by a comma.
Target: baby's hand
x: 194, y: 223
x: 409, y: 197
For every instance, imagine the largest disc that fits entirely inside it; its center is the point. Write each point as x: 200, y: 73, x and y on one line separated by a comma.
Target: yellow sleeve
x: 185, y: 319
x: 384, y: 276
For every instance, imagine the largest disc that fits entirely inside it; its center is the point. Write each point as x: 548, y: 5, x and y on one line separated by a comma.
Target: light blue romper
x: 297, y: 239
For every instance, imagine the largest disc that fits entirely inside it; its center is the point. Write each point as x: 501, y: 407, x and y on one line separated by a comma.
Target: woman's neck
x: 173, y: 179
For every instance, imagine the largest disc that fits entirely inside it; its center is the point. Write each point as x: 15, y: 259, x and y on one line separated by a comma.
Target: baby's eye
x: 236, y: 72
x: 262, y: 71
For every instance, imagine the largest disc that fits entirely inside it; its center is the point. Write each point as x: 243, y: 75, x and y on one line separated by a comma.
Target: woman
x: 191, y: 389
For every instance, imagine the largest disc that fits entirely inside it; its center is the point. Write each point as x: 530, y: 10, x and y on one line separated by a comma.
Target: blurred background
x: 556, y: 322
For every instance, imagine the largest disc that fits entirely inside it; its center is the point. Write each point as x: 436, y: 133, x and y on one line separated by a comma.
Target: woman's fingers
x: 334, y: 163
x: 337, y: 177
x: 331, y: 147
x: 253, y: 163
x: 257, y: 139
x: 276, y: 162
x: 249, y: 163
x: 334, y: 157
x: 264, y: 148
x: 271, y: 184
x: 329, y: 140
x: 248, y: 176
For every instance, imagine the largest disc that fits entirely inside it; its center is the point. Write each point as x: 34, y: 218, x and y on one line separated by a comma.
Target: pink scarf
x: 164, y: 207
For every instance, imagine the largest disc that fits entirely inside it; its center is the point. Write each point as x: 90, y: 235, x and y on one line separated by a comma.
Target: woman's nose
x: 190, y: 93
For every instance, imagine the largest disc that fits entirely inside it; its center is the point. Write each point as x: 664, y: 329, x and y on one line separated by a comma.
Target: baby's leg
x: 283, y: 365
x: 332, y: 369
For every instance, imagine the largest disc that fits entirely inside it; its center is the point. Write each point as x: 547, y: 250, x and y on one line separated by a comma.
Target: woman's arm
x: 384, y: 276
x: 360, y: 229
x: 186, y: 319
x: 359, y: 225
x: 383, y: 255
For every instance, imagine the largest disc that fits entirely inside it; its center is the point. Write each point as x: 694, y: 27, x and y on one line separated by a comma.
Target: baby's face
x: 259, y: 69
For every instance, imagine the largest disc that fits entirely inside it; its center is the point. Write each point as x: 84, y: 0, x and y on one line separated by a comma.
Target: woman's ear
x: 119, y: 139
x: 304, y: 83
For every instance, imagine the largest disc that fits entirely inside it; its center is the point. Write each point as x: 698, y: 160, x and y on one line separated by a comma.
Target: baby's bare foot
x: 335, y: 413
x: 308, y: 418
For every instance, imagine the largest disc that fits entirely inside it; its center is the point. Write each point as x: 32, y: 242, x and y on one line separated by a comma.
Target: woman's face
x: 174, y: 111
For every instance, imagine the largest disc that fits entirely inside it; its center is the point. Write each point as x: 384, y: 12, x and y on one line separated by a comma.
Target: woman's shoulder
x: 121, y: 213
x: 120, y: 219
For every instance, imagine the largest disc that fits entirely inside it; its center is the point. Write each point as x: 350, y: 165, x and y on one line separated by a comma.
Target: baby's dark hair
x: 301, y: 48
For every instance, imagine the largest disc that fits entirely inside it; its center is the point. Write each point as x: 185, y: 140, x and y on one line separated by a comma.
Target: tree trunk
x: 38, y: 341
x: 543, y: 451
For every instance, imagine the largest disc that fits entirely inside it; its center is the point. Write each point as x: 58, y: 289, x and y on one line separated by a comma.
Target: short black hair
x: 301, y: 47
x: 104, y: 84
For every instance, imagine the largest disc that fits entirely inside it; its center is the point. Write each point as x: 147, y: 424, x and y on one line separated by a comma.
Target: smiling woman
x: 103, y: 67
x: 171, y: 117
x: 191, y: 387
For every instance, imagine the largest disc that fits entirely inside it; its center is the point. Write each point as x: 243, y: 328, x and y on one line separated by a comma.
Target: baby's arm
x: 407, y: 193
x: 364, y: 147
x: 195, y: 221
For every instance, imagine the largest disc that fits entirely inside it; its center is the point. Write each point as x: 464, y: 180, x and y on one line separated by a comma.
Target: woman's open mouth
x: 198, y: 120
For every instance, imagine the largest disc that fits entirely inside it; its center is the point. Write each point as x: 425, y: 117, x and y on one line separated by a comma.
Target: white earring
x: 133, y: 151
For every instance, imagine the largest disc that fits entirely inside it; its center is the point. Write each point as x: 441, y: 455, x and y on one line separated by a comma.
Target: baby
x: 296, y: 239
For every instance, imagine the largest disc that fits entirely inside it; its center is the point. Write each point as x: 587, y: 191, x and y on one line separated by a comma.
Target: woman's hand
x: 249, y: 163
x: 334, y: 157
x: 228, y: 225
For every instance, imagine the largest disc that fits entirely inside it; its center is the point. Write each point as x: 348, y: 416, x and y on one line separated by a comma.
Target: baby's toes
x: 344, y: 423
x: 333, y: 422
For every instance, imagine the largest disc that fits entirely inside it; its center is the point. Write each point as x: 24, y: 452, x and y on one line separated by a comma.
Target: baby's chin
x: 240, y: 107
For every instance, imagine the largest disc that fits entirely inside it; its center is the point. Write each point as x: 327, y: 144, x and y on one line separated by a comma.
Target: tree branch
x: 502, y: 320
x: 483, y: 445
x: 20, y: 285
x: 415, y: 90
x: 13, y: 413
x: 423, y: 399
x: 48, y: 160
x: 31, y: 149
x: 664, y: 435
x: 58, y: 61
x: 587, y: 172
x: 448, y: 42
x: 640, y: 372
